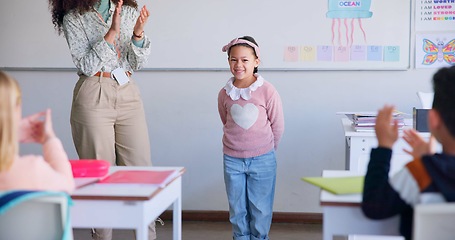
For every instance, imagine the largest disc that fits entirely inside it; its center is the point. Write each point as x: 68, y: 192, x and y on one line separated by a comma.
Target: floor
x: 217, y: 231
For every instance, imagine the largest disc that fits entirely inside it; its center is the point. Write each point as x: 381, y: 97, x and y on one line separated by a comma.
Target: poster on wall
x: 435, y: 50
x: 357, y: 34
x: 297, y: 35
x: 435, y: 15
x: 189, y: 35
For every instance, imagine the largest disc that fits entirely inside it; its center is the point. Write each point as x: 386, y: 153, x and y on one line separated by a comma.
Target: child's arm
x: 59, y: 173
x: 221, y: 109
x: 276, y: 117
x: 54, y: 154
x: 380, y: 200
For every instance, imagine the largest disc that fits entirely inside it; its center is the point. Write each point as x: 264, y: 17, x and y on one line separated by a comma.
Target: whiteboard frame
x: 58, y: 56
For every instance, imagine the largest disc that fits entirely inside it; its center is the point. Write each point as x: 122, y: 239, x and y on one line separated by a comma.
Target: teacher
x: 107, y: 44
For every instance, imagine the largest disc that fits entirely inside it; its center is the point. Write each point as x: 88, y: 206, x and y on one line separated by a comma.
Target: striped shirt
x: 429, y: 179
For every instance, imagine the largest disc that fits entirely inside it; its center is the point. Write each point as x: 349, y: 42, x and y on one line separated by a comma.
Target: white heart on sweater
x: 244, y: 116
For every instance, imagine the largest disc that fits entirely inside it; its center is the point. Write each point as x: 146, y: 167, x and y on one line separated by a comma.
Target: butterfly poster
x: 435, y: 50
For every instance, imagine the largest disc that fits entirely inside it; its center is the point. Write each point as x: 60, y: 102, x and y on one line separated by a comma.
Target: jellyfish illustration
x: 348, y: 11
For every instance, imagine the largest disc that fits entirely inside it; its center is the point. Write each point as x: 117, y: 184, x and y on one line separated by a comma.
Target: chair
x: 366, y: 237
x: 426, y: 99
x: 434, y: 221
x: 35, y: 215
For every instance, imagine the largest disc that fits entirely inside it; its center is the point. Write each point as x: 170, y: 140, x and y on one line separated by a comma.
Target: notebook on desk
x: 338, y: 185
x: 82, y: 182
x: 152, y: 177
x: 368, y: 114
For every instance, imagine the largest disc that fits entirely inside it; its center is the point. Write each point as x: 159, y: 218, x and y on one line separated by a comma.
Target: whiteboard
x: 292, y: 34
x: 28, y: 38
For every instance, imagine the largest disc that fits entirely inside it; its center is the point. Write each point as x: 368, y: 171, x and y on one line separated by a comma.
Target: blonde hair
x: 10, y: 99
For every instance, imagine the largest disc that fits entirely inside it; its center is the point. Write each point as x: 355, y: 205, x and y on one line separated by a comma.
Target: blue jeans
x: 250, y: 187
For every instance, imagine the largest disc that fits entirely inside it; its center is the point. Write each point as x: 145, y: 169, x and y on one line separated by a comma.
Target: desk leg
x: 177, y: 218
x: 347, y: 153
x: 142, y: 233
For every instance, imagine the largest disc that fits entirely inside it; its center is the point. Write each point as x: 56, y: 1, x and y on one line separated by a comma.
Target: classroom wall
x: 185, y: 129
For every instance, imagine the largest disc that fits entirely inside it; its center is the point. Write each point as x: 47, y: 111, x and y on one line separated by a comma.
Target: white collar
x: 235, y: 93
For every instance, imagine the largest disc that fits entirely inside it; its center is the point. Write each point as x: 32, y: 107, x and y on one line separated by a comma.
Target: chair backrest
x: 426, y: 99
x: 434, y: 221
x: 366, y: 237
x: 36, y: 215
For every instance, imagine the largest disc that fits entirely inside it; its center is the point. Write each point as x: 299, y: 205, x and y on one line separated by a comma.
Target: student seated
x: 52, y: 171
x: 429, y: 177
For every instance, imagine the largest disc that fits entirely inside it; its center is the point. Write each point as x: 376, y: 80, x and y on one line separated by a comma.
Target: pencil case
x: 89, y: 168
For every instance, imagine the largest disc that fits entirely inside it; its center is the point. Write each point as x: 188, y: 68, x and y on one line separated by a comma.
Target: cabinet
x: 359, y: 144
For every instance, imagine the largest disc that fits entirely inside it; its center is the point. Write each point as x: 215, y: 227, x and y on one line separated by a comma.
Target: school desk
x: 128, y: 206
x: 342, y: 214
x: 359, y: 144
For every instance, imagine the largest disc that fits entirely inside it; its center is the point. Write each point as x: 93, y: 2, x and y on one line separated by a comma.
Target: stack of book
x: 366, y: 122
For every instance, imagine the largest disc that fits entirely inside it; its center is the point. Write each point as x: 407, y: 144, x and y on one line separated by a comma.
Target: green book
x: 338, y: 185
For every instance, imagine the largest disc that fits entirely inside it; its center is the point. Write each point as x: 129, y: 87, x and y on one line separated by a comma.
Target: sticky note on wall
x: 391, y: 53
x: 291, y: 54
x: 325, y: 53
x: 374, y: 53
x: 308, y: 53
x: 341, y: 54
x: 358, y: 53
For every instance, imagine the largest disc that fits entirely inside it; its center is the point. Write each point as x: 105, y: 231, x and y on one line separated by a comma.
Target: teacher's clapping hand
x: 140, y: 23
x: 114, y: 30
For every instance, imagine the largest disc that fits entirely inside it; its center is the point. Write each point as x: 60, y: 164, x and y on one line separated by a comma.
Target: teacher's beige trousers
x: 108, y: 122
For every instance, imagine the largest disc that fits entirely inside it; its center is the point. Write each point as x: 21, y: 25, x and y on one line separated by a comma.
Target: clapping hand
x: 33, y: 129
x: 141, y: 21
x: 386, y: 129
x: 419, y: 146
x: 114, y: 30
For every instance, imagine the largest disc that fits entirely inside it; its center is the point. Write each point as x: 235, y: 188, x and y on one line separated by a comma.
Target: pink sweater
x: 251, y: 127
x: 52, y: 171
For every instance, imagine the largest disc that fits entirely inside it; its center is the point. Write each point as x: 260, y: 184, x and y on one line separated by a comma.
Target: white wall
x: 185, y: 129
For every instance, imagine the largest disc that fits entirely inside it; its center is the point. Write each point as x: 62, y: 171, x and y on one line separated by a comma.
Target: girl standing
x: 107, y: 43
x: 253, y: 123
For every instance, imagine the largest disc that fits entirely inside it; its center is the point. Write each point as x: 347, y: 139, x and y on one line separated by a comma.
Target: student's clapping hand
x: 419, y: 146
x: 386, y: 129
x: 35, y: 129
x: 31, y: 128
x: 48, y: 131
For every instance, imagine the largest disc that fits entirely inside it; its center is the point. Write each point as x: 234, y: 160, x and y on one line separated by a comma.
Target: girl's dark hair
x: 250, y: 39
x: 59, y: 8
x: 444, y: 96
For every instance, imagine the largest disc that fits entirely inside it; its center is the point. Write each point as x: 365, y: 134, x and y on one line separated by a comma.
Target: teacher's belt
x: 108, y: 74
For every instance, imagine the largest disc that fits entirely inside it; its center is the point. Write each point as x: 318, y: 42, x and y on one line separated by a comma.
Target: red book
x: 154, y: 177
